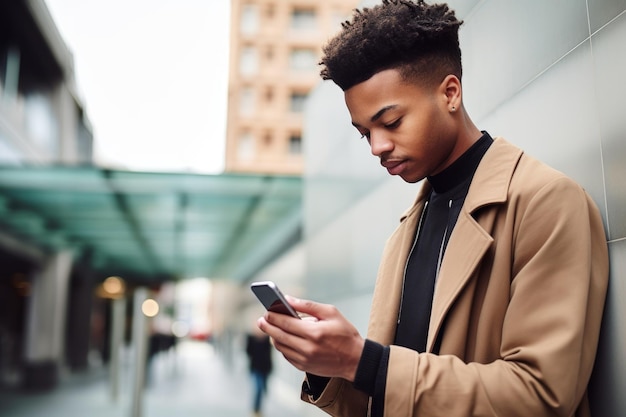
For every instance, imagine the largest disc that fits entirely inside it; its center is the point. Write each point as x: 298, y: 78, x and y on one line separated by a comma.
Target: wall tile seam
x: 534, y: 78
x: 619, y: 15
x: 617, y: 240
x: 588, y: 18
x: 595, y: 91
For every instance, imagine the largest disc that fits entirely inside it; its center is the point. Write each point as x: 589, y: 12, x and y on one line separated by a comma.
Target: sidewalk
x: 192, y: 381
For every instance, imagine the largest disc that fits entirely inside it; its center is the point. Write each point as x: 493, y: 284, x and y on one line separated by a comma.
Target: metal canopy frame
x: 153, y: 227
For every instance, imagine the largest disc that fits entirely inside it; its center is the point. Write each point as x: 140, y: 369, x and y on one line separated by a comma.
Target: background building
x: 275, y: 49
x: 42, y: 120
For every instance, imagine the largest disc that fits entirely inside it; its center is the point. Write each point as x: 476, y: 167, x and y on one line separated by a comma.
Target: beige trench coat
x: 517, y: 305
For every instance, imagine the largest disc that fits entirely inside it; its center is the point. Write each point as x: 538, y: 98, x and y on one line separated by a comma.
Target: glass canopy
x: 153, y: 226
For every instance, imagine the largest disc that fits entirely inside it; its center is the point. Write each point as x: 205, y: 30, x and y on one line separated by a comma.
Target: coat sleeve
x: 549, y: 327
x: 340, y: 399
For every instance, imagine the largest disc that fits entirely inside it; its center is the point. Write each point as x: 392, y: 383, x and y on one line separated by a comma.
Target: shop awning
x: 153, y: 227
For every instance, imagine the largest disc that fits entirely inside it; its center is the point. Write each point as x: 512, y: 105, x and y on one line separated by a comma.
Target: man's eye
x: 393, y: 124
x: 365, y: 136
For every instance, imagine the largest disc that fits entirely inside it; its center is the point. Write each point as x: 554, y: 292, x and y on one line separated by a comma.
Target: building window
x: 270, y: 11
x: 248, y: 63
x: 303, y: 19
x: 249, y: 24
x: 302, y: 59
x: 269, y: 95
x: 295, y: 144
x: 246, y: 102
x: 10, y: 73
x: 41, y: 122
x: 267, y: 139
x: 245, y: 148
x: 297, y: 102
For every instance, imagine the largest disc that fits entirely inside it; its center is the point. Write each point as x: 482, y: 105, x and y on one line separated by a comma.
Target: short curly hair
x: 418, y: 39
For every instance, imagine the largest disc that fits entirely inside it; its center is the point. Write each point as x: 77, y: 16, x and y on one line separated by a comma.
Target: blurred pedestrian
x: 259, y: 351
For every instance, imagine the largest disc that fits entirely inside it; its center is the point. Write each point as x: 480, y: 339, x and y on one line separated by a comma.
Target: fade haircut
x: 418, y: 39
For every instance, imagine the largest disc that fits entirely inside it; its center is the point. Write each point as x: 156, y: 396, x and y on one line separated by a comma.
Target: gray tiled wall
x: 548, y: 76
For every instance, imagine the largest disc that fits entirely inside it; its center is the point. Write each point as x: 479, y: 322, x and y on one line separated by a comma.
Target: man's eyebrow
x: 378, y: 114
x: 382, y: 111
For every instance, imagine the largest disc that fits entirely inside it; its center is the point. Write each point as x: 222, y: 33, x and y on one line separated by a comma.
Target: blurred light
x: 114, y: 286
x: 180, y: 329
x: 150, y: 308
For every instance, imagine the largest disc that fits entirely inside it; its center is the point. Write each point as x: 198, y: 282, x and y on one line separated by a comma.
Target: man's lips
x: 394, y: 166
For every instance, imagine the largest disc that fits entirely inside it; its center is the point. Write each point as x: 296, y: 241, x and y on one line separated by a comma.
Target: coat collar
x: 492, y: 178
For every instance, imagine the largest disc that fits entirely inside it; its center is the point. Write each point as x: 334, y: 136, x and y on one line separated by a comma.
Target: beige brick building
x: 275, y: 46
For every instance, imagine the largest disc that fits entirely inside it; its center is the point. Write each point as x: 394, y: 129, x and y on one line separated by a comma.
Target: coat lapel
x: 467, y: 246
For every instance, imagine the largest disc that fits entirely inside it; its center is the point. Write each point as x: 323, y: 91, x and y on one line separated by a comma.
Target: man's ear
x: 451, y: 89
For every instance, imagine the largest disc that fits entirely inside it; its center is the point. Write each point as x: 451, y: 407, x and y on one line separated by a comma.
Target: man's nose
x: 379, y: 143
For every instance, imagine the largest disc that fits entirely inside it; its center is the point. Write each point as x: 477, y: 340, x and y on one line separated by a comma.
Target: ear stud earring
x: 453, y: 108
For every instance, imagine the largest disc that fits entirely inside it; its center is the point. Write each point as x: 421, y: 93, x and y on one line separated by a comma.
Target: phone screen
x: 272, y: 298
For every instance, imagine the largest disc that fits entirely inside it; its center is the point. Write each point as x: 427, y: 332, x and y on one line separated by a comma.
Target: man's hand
x: 324, y: 344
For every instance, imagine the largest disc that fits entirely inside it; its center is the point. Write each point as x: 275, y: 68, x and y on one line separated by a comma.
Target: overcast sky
x: 152, y: 75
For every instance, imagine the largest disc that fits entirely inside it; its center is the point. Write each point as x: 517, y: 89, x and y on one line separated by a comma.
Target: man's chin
x: 411, y: 179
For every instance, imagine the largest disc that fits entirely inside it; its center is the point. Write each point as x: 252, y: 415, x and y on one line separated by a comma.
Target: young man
x: 490, y: 292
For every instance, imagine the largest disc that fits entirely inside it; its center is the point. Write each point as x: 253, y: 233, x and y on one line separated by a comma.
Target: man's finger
x: 317, y: 310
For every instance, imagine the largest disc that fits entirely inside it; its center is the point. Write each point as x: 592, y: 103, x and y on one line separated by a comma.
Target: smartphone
x: 270, y: 296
